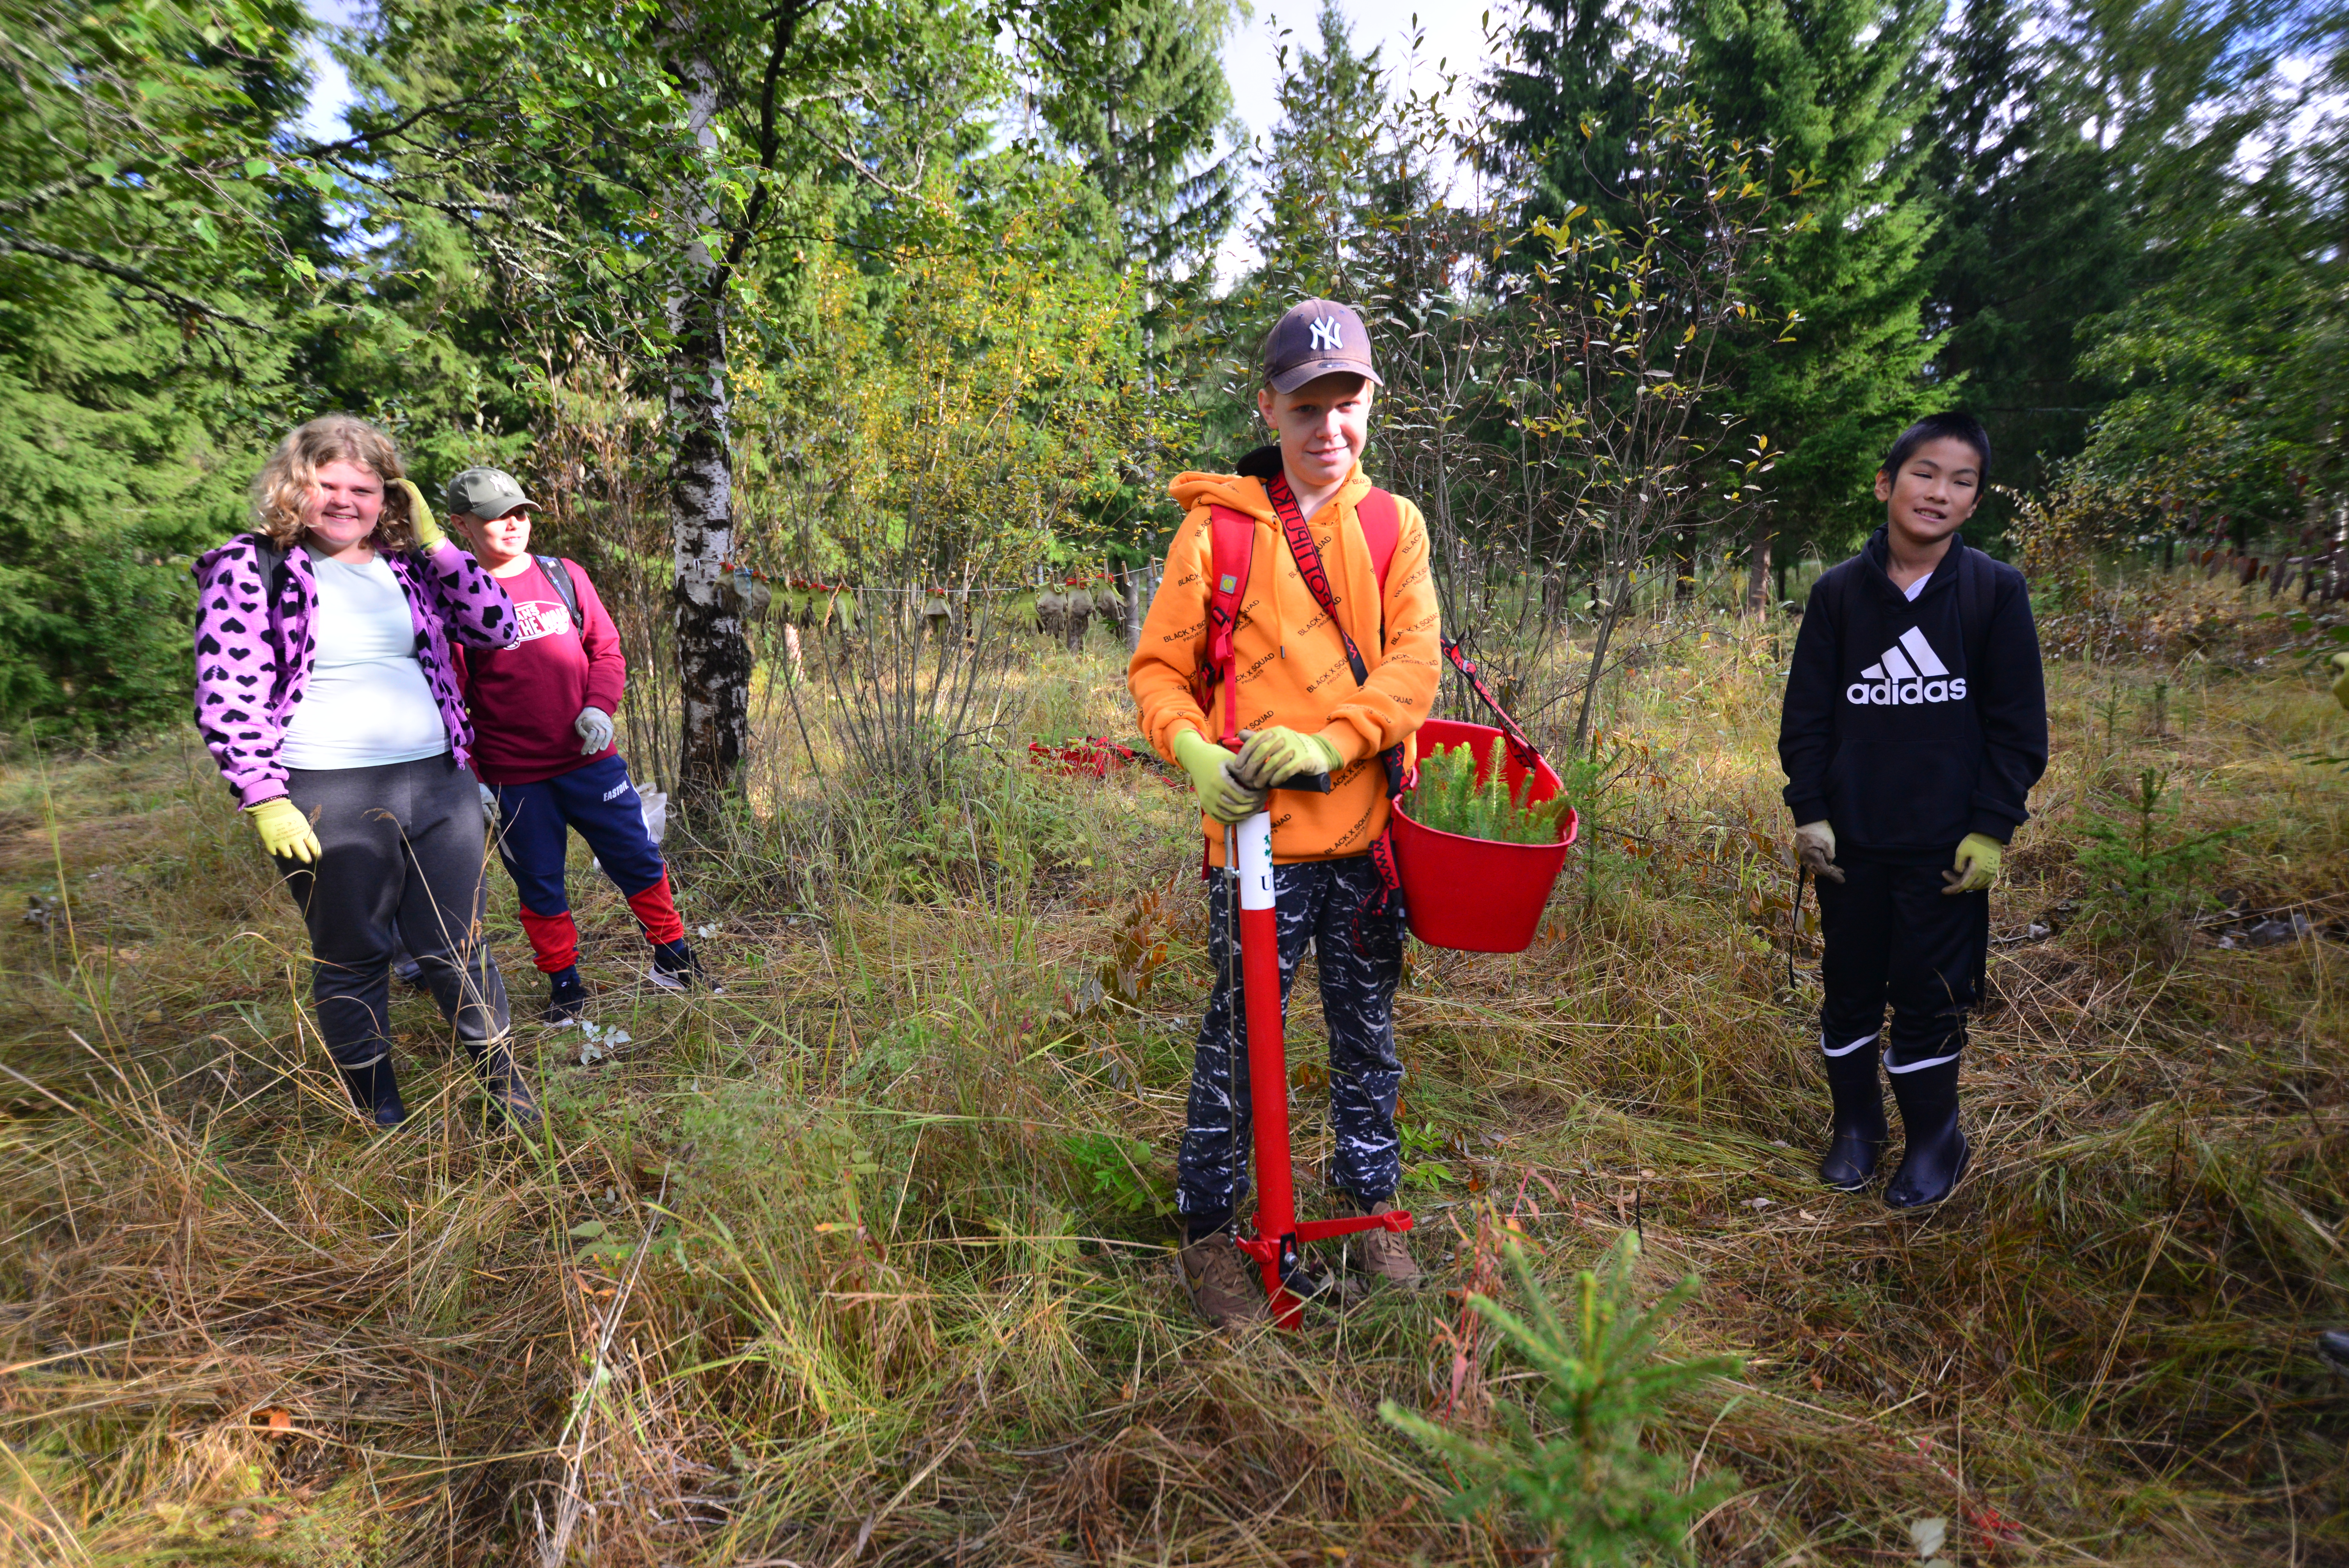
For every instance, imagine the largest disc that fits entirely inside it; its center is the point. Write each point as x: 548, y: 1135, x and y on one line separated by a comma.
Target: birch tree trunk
x: 713, y: 655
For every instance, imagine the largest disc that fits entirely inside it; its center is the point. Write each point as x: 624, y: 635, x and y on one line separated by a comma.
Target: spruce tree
x: 1135, y: 90
x: 2035, y: 238
x: 2081, y: 153
x: 1318, y: 172
x: 1834, y: 90
x: 1566, y: 100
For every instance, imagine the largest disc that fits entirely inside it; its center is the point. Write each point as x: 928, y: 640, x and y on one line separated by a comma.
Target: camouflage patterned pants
x: 1360, y: 958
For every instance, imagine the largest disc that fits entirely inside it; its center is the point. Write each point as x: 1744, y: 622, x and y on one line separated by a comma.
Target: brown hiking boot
x: 1384, y: 1255
x: 1223, y: 1287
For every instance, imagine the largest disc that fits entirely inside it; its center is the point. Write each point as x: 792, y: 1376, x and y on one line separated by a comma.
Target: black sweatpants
x: 403, y: 860
x: 1360, y: 958
x: 1891, y: 935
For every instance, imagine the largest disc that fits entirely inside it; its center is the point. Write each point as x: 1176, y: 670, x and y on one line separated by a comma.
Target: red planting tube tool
x: 1278, y: 1234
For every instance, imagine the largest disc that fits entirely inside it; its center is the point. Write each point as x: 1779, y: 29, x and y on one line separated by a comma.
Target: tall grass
x: 828, y: 1270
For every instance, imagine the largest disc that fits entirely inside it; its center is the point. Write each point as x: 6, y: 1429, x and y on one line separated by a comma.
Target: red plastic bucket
x: 1475, y: 895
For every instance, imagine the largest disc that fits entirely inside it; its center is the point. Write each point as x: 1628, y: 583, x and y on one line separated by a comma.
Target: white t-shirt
x: 1917, y: 587
x: 368, y: 702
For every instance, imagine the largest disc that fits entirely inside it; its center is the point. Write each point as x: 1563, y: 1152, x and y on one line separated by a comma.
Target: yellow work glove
x: 1977, y: 867
x: 1268, y: 756
x: 428, y: 531
x: 1814, y: 848
x: 1221, y: 796
x: 2341, y: 682
x: 285, y: 832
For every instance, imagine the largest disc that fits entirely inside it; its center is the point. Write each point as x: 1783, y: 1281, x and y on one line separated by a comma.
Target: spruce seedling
x: 2137, y: 883
x: 1447, y: 798
x: 1583, y: 1477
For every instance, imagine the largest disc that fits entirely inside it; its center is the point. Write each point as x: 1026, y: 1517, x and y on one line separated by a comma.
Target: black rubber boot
x: 1935, y: 1151
x: 1859, y: 1130
x: 566, y: 997
x: 375, y: 1089
x: 510, y: 1095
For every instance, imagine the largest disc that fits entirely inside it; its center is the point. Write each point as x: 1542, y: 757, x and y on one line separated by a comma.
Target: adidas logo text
x: 1909, y: 671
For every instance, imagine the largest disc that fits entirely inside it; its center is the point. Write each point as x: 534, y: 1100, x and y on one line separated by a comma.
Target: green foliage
x: 1571, y: 100
x: 110, y: 477
x: 2037, y: 235
x: 1116, y: 1173
x: 2139, y: 879
x: 1833, y: 89
x: 1584, y: 1478
x: 1134, y: 89
x: 1448, y: 798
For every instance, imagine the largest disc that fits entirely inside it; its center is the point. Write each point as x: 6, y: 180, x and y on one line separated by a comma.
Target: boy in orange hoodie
x: 1314, y: 692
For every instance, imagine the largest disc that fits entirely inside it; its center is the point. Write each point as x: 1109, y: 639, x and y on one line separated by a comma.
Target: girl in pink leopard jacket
x: 325, y: 691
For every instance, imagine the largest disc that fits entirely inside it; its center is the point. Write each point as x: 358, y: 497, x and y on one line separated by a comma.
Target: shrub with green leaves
x: 1448, y: 798
x: 1582, y: 1476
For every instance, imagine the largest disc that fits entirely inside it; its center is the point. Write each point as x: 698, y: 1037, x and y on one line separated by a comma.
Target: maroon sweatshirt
x: 523, y: 699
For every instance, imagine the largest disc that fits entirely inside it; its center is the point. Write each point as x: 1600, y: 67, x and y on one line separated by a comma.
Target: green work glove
x: 1270, y: 756
x: 2341, y: 682
x: 1814, y: 848
x: 1221, y: 796
x: 1977, y: 867
x: 285, y: 832
x: 428, y: 531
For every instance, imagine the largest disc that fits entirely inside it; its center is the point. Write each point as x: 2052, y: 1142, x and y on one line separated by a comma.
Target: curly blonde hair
x: 282, y: 490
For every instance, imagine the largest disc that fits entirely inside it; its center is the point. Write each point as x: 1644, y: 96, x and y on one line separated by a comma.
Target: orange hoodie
x: 1291, y: 662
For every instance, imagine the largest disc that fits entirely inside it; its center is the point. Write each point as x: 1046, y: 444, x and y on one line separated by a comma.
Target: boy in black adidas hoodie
x: 1915, y: 725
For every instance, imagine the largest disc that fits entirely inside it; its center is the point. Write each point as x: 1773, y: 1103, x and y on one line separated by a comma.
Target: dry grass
x: 836, y: 1268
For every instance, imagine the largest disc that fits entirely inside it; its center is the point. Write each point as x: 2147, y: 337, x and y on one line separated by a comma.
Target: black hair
x: 1950, y: 426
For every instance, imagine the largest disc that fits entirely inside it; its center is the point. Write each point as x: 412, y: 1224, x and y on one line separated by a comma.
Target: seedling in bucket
x: 1461, y: 792
x: 1480, y: 832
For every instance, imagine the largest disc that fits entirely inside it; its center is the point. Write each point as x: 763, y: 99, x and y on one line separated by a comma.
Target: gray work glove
x: 595, y: 727
x: 1815, y: 847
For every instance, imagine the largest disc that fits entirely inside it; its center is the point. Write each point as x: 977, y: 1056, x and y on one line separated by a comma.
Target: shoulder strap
x: 1308, y: 556
x: 270, y: 558
x: 560, y: 575
x: 1977, y: 598
x: 1232, y: 539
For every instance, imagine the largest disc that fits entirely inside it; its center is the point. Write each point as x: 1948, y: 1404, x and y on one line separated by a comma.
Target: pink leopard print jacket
x: 254, y: 652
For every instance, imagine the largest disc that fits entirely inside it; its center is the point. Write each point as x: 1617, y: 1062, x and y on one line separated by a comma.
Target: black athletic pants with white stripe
x: 1890, y: 934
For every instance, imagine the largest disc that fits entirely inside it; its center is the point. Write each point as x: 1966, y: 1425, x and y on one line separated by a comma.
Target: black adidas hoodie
x: 1908, y: 726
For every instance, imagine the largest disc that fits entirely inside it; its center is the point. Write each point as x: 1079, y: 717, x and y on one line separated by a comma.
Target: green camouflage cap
x: 486, y: 493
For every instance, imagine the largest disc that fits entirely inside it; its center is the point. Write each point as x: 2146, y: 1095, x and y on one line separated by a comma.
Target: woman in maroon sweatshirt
x: 542, y: 710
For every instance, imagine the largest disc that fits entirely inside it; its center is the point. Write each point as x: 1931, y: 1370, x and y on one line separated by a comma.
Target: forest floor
x: 867, y: 1260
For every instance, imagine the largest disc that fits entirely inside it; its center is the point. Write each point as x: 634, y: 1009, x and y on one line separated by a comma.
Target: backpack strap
x: 1977, y: 598
x: 560, y: 575
x: 269, y: 558
x: 1232, y: 545
x: 1233, y: 548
